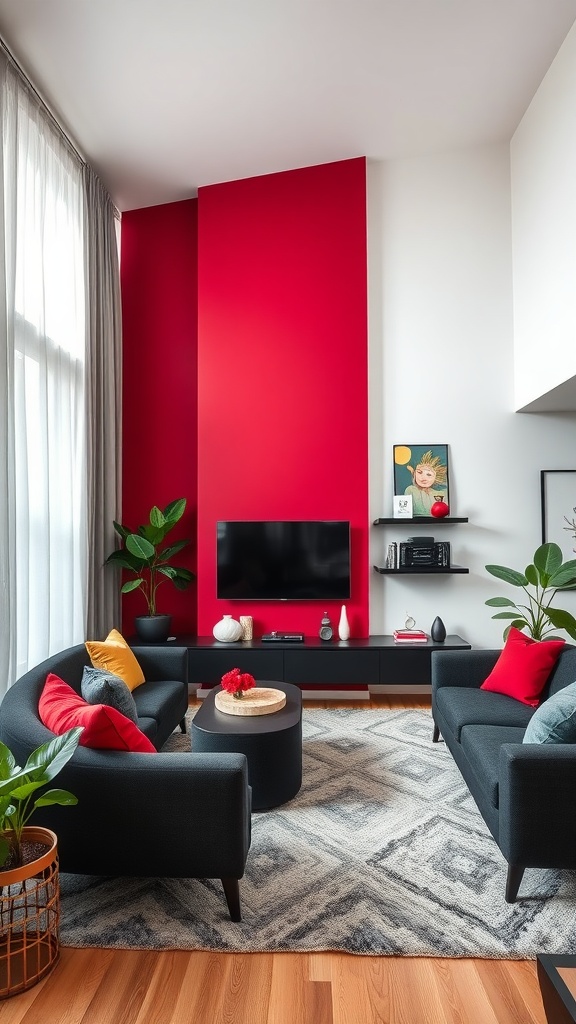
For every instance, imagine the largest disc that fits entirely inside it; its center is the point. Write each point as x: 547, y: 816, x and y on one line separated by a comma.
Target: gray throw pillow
x: 101, y: 687
x: 555, y: 720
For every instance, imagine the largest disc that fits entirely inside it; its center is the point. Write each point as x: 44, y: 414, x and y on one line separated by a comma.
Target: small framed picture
x: 421, y: 472
x: 402, y: 506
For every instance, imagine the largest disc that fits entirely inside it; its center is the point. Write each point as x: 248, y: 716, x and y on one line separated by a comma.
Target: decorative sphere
x: 440, y: 509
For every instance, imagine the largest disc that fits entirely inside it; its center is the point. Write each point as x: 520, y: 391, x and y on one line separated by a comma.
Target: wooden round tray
x: 259, y: 701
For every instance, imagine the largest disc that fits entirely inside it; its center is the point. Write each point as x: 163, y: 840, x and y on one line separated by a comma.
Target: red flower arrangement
x: 236, y: 682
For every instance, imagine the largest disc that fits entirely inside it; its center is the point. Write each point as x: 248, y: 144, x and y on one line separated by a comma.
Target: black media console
x: 373, y: 660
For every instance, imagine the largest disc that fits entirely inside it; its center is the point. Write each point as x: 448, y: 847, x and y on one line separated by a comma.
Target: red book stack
x: 410, y: 636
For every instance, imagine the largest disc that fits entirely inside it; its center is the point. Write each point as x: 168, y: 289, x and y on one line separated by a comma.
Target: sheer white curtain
x: 43, y: 516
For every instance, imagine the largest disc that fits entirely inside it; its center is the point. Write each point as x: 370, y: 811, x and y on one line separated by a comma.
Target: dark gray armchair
x: 176, y: 815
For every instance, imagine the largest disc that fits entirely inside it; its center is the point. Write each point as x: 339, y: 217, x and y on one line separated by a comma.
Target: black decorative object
x: 438, y: 630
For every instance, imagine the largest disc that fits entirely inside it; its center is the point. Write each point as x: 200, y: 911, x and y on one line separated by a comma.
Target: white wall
x: 441, y: 371
x: 543, y: 171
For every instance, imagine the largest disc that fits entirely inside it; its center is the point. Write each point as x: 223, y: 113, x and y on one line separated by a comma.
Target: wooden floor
x: 92, y: 986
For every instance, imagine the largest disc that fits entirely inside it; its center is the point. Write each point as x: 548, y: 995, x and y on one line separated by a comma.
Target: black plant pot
x: 153, y: 629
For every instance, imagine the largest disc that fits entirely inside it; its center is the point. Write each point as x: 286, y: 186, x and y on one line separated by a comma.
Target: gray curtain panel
x: 104, y: 404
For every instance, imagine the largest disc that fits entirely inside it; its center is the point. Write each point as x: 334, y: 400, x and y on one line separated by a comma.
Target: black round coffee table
x: 272, y: 743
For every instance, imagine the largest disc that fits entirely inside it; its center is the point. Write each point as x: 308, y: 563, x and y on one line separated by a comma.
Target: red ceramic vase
x: 440, y: 509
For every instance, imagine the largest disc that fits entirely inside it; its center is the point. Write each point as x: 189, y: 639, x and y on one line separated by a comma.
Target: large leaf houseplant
x: 29, y: 878
x: 541, y: 580
x: 146, y: 555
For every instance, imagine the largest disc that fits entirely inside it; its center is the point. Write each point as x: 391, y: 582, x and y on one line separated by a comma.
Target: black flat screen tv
x: 303, y: 560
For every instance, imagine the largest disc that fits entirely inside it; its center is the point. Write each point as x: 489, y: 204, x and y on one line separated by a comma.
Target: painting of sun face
x: 421, y: 470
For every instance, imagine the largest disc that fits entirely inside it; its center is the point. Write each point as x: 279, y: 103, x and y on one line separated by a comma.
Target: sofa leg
x: 183, y: 725
x: 435, y: 734
x: 232, y: 894
x: 513, y: 879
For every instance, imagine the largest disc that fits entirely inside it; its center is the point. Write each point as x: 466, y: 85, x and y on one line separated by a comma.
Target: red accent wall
x: 159, y: 423
x: 282, y: 371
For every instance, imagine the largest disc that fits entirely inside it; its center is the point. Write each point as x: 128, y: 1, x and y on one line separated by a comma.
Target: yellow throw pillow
x: 114, y: 655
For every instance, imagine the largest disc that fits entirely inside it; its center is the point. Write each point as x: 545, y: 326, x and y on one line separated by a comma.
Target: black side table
x: 559, y: 1002
x: 272, y: 743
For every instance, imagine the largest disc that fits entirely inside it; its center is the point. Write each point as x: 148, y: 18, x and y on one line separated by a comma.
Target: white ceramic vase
x: 344, y: 625
x: 227, y: 630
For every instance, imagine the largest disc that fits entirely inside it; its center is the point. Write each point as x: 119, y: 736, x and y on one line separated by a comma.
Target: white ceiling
x: 163, y: 96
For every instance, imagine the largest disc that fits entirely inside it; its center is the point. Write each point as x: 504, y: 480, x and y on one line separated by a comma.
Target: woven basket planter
x: 29, y: 917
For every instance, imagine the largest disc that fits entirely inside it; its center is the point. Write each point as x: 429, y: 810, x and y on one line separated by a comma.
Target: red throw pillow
x: 61, y: 708
x: 523, y: 668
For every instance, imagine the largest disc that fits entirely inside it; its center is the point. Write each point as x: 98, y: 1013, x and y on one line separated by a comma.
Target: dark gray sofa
x: 175, y: 815
x: 526, y: 792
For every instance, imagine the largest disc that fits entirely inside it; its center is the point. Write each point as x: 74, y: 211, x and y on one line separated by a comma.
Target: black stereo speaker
x: 432, y: 555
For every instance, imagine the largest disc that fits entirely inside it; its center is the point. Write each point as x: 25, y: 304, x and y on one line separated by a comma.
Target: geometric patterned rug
x: 383, y: 852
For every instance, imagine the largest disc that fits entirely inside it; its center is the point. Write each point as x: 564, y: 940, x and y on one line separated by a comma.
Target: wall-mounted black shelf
x: 417, y: 570
x: 421, y: 570
x: 420, y: 521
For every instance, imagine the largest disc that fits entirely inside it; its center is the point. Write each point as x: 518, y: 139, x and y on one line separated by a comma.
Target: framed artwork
x: 558, y: 506
x: 403, y: 506
x: 421, y: 470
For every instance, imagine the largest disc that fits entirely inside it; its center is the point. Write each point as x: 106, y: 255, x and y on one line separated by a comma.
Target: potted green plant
x: 29, y: 880
x: 540, y: 581
x: 145, y: 554
x: 17, y: 788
